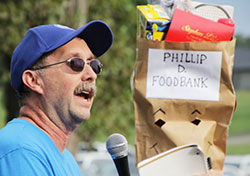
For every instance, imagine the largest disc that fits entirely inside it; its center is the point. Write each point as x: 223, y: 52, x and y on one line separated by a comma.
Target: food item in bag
x: 154, y: 22
x: 196, y: 28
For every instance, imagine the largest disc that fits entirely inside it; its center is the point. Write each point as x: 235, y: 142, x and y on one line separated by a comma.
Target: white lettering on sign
x: 177, y: 74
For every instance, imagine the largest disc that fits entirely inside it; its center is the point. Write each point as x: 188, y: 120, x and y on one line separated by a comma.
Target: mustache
x: 86, y: 87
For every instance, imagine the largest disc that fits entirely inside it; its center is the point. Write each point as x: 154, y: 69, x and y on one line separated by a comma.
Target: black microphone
x: 117, y: 146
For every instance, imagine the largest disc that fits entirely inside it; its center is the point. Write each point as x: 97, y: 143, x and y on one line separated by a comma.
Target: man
x: 54, y: 71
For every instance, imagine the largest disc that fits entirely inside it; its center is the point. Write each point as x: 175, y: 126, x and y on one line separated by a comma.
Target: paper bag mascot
x: 183, y: 93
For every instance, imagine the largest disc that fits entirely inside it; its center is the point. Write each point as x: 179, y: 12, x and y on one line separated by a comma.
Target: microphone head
x: 117, y: 146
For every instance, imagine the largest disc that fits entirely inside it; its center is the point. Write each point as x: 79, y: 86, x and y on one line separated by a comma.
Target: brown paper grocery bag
x: 183, y: 93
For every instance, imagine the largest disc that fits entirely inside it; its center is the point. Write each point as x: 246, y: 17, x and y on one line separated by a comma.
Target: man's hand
x: 211, y: 173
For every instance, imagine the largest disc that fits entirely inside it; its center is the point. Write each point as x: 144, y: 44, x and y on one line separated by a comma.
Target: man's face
x: 68, y: 95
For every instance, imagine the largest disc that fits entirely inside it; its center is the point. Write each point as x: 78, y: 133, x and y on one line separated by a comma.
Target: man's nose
x: 88, y: 74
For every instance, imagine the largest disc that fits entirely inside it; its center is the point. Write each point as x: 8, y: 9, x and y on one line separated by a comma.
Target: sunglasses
x: 77, y: 64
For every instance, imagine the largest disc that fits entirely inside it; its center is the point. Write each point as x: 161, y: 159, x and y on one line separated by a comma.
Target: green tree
x: 113, y: 108
x: 242, y: 41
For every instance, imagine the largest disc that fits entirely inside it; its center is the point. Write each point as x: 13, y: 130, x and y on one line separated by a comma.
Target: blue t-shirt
x: 25, y: 150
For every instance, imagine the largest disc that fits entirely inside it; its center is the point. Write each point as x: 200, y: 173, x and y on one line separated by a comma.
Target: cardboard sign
x: 180, y: 74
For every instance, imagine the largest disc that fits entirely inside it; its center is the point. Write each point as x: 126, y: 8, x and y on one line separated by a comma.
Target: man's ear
x: 32, y: 80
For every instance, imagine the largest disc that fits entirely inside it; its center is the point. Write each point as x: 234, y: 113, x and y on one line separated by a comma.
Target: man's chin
x: 83, y: 115
x: 80, y: 119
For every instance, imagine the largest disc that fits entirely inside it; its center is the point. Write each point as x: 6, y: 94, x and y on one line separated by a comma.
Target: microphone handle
x: 122, y: 166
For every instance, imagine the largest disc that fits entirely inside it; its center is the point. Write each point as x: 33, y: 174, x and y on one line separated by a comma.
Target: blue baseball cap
x: 45, y: 38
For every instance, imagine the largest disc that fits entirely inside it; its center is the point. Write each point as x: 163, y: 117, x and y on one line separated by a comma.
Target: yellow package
x: 153, y: 22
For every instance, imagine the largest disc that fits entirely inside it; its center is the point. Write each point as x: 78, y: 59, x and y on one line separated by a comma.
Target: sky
x: 241, y: 14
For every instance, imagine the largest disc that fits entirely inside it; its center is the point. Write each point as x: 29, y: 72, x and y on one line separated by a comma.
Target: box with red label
x: 186, y: 27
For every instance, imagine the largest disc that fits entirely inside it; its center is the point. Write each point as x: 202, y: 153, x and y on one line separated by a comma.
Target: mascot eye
x: 196, y: 121
x: 196, y: 111
x: 160, y: 123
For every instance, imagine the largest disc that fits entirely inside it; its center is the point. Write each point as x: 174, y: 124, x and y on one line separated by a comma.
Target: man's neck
x: 42, y: 121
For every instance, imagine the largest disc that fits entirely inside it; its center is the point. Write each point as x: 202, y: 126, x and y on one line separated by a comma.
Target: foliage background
x: 113, y: 108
